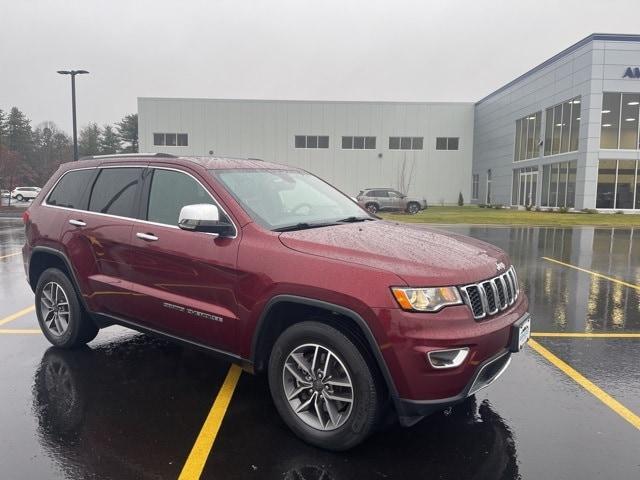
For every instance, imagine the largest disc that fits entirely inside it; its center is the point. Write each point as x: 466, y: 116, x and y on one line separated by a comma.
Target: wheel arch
x: 280, y: 313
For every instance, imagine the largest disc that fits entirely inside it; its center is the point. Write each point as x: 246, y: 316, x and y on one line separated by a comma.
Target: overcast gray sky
x: 280, y: 49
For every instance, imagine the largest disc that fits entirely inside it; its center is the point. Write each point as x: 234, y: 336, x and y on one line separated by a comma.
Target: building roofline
x: 612, y: 37
x: 263, y: 100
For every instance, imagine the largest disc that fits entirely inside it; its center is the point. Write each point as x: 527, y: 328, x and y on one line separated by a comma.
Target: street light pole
x: 73, y: 74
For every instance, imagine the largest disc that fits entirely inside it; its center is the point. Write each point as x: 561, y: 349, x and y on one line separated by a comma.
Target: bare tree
x: 405, y: 174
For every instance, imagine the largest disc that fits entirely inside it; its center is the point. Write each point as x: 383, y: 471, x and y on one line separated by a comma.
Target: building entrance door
x: 528, y: 188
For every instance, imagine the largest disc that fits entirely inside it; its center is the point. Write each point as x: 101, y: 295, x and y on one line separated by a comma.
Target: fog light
x: 451, y: 358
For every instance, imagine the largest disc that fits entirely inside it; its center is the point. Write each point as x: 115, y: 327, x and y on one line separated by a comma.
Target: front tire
x: 60, y: 315
x: 413, y: 208
x: 19, y: 197
x: 323, y: 386
x: 372, y: 208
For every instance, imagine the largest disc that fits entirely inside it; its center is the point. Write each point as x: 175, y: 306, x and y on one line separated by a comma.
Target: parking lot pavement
x: 132, y: 406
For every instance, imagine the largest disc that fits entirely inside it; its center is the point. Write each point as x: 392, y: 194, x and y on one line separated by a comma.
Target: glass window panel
x: 626, y: 183
x: 323, y: 141
x: 562, y: 184
x: 531, y: 126
x: 170, y: 191
x: 170, y: 139
x: 534, y: 189
x: 476, y: 182
x: 70, y: 189
x: 370, y: 143
x: 557, y: 129
x: 629, y: 121
x: 114, y: 191
x: 394, y: 143
x: 610, y: 120
x: 405, y: 143
x: 606, y: 183
x: 546, y: 170
x: 347, y: 142
x: 453, y: 143
x: 183, y: 139
x: 548, y: 131
x: 514, y: 187
x: 416, y: 143
x: 358, y: 143
x: 553, y: 186
x: 575, y: 125
x: 301, y: 141
x: 523, y: 140
x: 158, y: 138
x: 522, y: 193
x: 441, y: 143
x: 312, y: 141
x: 536, y: 135
x: 571, y: 185
x: 566, y: 125
x: 516, y: 153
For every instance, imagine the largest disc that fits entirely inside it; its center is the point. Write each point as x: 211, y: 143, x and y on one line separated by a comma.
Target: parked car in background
x: 387, y: 199
x: 5, y: 193
x: 25, y: 193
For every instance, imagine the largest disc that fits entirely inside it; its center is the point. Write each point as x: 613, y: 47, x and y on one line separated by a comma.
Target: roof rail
x: 125, y: 155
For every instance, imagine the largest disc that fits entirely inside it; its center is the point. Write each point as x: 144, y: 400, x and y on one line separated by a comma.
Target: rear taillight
x: 25, y: 217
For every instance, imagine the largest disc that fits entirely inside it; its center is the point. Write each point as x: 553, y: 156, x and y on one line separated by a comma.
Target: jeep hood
x: 420, y: 256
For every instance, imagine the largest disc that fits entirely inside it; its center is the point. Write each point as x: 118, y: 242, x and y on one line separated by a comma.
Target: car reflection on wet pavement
x: 131, y: 405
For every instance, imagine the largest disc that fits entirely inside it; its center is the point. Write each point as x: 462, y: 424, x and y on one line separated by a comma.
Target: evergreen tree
x: 3, y: 127
x: 52, y: 147
x: 109, y: 141
x: 128, y: 133
x: 89, y: 140
x: 19, y: 136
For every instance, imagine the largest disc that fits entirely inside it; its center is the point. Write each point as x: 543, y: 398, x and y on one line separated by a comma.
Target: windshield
x: 281, y: 199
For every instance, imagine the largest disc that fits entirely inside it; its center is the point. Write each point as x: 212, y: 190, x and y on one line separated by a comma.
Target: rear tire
x: 372, y: 208
x: 327, y: 423
x: 60, y: 315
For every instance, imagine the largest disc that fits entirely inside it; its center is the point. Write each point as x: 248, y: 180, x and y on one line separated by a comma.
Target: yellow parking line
x: 595, y: 274
x: 9, y: 331
x: 10, y: 255
x: 585, y: 335
x: 589, y: 386
x: 19, y: 314
x: 200, y: 451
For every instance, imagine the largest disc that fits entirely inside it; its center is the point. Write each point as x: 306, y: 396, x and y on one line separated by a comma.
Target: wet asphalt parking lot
x: 132, y: 406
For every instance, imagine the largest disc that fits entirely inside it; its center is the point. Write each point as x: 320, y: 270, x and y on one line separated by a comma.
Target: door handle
x: 149, y: 237
x: 77, y: 223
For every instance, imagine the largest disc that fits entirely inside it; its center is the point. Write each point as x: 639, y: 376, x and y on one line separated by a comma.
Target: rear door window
x: 70, y: 191
x: 170, y: 191
x: 115, y: 191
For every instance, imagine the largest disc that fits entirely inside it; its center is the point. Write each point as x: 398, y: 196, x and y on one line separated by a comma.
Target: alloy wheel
x: 318, y: 387
x: 54, y: 307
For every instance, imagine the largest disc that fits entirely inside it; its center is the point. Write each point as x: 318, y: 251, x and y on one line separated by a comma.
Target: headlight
x: 426, y: 299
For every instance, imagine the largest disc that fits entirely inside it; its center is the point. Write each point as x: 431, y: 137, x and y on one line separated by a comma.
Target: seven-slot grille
x: 493, y: 295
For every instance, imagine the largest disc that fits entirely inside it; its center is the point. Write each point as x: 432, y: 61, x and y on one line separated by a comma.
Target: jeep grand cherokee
x: 269, y: 266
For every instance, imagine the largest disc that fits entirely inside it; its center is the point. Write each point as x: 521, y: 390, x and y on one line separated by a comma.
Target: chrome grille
x: 491, y: 296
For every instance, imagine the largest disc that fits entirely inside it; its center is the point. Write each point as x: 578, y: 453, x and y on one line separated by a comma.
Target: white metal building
x: 564, y: 134
x: 353, y: 145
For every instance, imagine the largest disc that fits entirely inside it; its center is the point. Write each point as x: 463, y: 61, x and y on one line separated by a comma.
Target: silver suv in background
x: 388, y: 199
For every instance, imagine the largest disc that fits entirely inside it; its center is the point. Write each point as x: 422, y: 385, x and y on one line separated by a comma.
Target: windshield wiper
x: 302, y: 226
x: 354, y: 219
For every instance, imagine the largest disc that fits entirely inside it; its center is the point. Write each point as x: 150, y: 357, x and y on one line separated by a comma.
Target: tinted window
x: 301, y: 141
x: 70, y: 189
x: 170, y: 191
x: 394, y: 143
x: 323, y: 142
x: 158, y: 138
x: 441, y: 143
x: 453, y: 143
x: 114, y: 191
x: 347, y: 142
x: 370, y: 142
x: 358, y: 143
x: 312, y: 141
x: 170, y: 139
x: 183, y: 139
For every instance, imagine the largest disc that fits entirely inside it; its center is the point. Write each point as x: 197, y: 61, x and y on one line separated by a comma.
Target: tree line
x: 28, y: 156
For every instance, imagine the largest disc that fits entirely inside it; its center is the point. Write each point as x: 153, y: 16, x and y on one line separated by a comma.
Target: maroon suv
x: 276, y: 270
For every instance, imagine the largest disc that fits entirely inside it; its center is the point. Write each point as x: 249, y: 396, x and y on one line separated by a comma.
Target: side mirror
x: 203, y: 217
